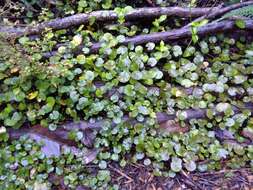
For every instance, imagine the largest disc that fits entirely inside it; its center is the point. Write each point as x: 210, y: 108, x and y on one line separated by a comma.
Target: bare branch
x: 105, y: 16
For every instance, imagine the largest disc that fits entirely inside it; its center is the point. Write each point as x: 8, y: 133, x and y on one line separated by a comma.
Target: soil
x: 140, y: 177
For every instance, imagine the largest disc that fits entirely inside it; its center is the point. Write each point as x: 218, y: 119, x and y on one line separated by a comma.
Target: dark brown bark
x: 61, y: 134
x: 110, y: 15
x: 37, y: 129
x: 105, y: 16
x: 55, y: 141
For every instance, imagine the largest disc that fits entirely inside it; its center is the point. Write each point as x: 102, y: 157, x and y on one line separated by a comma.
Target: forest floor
x: 197, y: 110
x: 141, y: 177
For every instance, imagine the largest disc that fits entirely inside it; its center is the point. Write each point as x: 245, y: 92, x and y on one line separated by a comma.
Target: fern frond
x: 246, y: 11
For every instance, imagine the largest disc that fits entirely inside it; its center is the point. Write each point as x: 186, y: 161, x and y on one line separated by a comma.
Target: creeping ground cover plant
x: 76, y: 100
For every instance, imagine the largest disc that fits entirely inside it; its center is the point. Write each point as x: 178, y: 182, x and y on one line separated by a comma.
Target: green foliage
x: 119, y: 81
x: 194, y: 29
x: 25, y: 166
x: 246, y: 11
x: 240, y: 24
x: 121, y: 12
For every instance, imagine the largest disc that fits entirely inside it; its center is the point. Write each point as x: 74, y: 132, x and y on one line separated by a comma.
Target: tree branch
x: 212, y: 28
x: 105, y: 16
x: 110, y: 15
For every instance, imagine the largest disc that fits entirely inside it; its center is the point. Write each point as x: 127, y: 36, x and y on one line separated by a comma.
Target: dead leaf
x: 247, y: 133
x: 172, y: 126
x: 90, y: 156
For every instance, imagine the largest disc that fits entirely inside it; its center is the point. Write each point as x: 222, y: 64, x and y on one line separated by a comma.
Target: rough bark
x: 110, y: 15
x: 220, y: 12
x: 105, y: 16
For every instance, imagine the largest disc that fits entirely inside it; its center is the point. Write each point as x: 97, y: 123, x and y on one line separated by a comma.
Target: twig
x: 214, y: 9
x: 121, y: 173
x: 188, y: 181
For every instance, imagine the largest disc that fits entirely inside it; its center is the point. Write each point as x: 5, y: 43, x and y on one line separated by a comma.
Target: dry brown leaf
x: 172, y: 126
x: 247, y: 133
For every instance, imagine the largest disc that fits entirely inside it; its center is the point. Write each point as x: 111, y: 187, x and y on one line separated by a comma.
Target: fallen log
x: 182, y: 33
x: 111, y: 15
x: 59, y: 135
x: 212, y: 28
x: 55, y: 140
x: 200, y: 113
x: 106, y: 16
